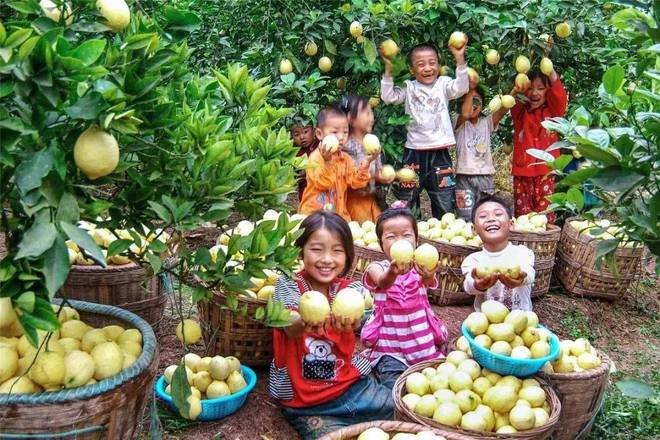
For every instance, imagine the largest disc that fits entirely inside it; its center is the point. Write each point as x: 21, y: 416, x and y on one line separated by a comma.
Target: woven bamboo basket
x: 576, y: 266
x: 543, y: 244
x: 581, y: 395
x: 401, y: 412
x: 543, y: 276
x: 450, y: 290
x: 110, y: 409
x: 126, y: 286
x: 234, y: 334
x: 391, y: 427
x: 363, y: 257
x: 205, y: 236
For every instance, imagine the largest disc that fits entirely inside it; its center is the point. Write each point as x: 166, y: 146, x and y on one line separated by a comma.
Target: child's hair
x: 494, y: 199
x: 537, y: 74
x: 420, y: 47
x: 333, y: 109
x: 479, y: 91
x: 390, y: 213
x: 333, y: 223
x: 352, y: 104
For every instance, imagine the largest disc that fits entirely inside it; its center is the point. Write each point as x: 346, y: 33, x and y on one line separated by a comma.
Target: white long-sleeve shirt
x: 519, y: 298
x: 428, y: 106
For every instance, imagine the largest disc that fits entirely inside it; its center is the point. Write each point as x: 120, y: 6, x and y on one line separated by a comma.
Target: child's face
x: 324, y: 258
x: 477, y: 106
x: 424, y: 66
x: 303, y: 137
x: 364, y: 120
x: 536, y: 93
x: 395, y: 229
x: 334, y: 124
x: 492, y: 224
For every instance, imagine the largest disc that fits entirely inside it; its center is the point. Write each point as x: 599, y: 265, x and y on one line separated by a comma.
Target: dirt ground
x: 622, y: 330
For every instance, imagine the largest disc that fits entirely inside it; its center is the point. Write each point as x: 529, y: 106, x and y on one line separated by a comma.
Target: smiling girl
x: 315, y: 375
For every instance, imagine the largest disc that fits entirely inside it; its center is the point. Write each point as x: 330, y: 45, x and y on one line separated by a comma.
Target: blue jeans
x: 388, y: 369
x: 364, y: 401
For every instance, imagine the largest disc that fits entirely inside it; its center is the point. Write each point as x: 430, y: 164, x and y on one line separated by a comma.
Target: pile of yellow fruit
x: 379, y: 434
x: 458, y: 392
x: 209, y: 378
x: 104, y: 237
x: 576, y: 356
x: 530, y: 223
x: 75, y: 355
x: 365, y: 234
x: 602, y: 230
x: 449, y: 229
x: 516, y: 334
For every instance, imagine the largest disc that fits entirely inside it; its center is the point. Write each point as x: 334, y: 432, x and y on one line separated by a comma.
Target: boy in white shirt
x: 492, y: 221
x: 430, y: 131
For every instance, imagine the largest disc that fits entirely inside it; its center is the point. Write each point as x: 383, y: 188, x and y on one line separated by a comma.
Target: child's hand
x: 318, y: 329
x: 400, y: 268
x: 385, y: 181
x: 372, y: 157
x: 459, y: 54
x: 512, y: 283
x: 386, y: 61
x: 326, y: 153
x: 344, y: 324
x: 484, y: 283
x: 427, y: 275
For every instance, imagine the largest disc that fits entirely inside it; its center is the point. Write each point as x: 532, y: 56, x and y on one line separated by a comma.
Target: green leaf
x: 155, y: 262
x: 599, y: 137
x: 17, y: 38
x: 618, y: 179
x: 582, y: 116
x: 575, y: 196
x: 88, y: 52
x: 201, y: 294
x: 636, y: 389
x: 330, y: 46
x: 68, y: 210
x: 30, y: 172
x: 181, y: 389
x: 606, y: 246
x: 82, y: 239
x: 597, y: 154
x: 27, y: 47
x: 25, y: 301
x: 88, y: 107
x: 578, y: 177
x: 541, y: 155
x: 613, y: 79
x: 181, y: 20
x: 37, y: 240
x: 56, y: 266
x: 119, y: 246
x: 161, y: 211
x: 370, y: 51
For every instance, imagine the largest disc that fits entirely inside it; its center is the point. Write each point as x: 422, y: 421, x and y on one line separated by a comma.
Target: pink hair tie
x: 399, y: 204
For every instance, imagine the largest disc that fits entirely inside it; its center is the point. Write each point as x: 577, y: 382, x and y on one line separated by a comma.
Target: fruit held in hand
x: 473, y: 75
x: 407, y: 175
x: 522, y: 64
x: 388, y: 173
x: 492, y: 57
x: 508, y: 101
x: 115, y: 12
x: 546, y: 66
x: 188, y: 331
x: 495, y: 104
x: 331, y: 143
x: 457, y: 39
x: 522, y: 81
x: 390, y: 49
x: 349, y: 304
x: 96, y: 153
x: 371, y: 144
x: 427, y: 256
x: 314, y: 308
x: 402, y: 252
x: 285, y: 67
x: 563, y: 30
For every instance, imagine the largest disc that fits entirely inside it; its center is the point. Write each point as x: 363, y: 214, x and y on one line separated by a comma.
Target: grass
x: 577, y: 325
x: 171, y: 423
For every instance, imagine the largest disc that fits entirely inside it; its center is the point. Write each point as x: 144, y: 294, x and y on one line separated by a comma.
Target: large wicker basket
x: 110, y: 409
x: 576, y: 266
x: 403, y: 413
x: 581, y: 395
x: 543, y: 244
x: 229, y: 333
x: 543, y: 276
x: 450, y: 277
x: 363, y: 257
x: 126, y: 286
x: 391, y: 427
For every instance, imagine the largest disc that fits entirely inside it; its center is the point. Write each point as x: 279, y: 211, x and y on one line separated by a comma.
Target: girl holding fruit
x: 315, y: 374
x: 363, y: 204
x: 403, y: 330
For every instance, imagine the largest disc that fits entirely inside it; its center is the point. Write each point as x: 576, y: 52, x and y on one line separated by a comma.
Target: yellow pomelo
x: 131, y: 334
x: 390, y: 48
x: 546, y: 66
x: 112, y: 332
x: 74, y: 329
x: 563, y: 30
x: 325, y: 64
x: 349, y: 304
x: 195, y: 408
x: 96, y: 153
x: 19, y: 385
x: 313, y: 307
x: 188, y: 331
x: 116, y: 13
x: 79, y: 369
x: 202, y: 380
x: 285, y: 67
x: 92, y: 338
x: 311, y: 48
x: 69, y: 344
x: 108, y: 360
x: 8, y: 363
x: 457, y: 39
x: 7, y: 314
x: 522, y: 64
x: 132, y: 348
x: 217, y: 388
x: 492, y: 57
x: 48, y: 369
x: 500, y: 398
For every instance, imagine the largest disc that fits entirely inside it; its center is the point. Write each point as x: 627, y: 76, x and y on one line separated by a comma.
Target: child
x: 492, y: 220
x: 430, y: 132
x: 403, y: 330
x: 474, y: 163
x: 546, y: 98
x: 322, y: 384
x: 303, y: 138
x: 331, y: 174
x: 362, y: 204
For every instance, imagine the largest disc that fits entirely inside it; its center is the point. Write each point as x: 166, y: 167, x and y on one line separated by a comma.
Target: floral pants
x: 530, y: 194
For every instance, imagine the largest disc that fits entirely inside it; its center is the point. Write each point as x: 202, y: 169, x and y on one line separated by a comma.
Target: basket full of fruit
x: 219, y: 386
x: 367, y: 248
x: 454, y: 239
x: 459, y: 396
x: 579, y: 269
x: 91, y: 379
x: 580, y: 375
x: 510, y: 343
x: 390, y: 430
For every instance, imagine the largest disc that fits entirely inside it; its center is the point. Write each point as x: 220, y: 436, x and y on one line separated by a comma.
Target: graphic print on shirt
x: 426, y: 111
x: 326, y: 197
x: 320, y: 363
x: 477, y: 145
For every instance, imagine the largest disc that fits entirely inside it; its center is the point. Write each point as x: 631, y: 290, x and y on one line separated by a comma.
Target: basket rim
x: 251, y: 383
x: 554, y: 352
x: 451, y: 246
x: 602, y: 369
x: 551, y: 229
x: 141, y: 364
x: 591, y: 241
x: 369, y: 252
x: 552, y: 396
x: 387, y: 426
x: 109, y: 268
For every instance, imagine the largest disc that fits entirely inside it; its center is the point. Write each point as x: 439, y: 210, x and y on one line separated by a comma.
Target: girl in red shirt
x: 316, y: 375
x: 532, y: 183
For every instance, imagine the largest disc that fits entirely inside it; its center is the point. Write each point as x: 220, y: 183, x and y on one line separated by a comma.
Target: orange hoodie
x: 328, y: 182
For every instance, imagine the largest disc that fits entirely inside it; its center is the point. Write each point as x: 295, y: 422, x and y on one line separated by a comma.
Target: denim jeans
x: 364, y: 401
x: 436, y: 175
x: 388, y: 369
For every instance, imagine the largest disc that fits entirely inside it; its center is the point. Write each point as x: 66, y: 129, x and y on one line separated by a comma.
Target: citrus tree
x: 102, y: 119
